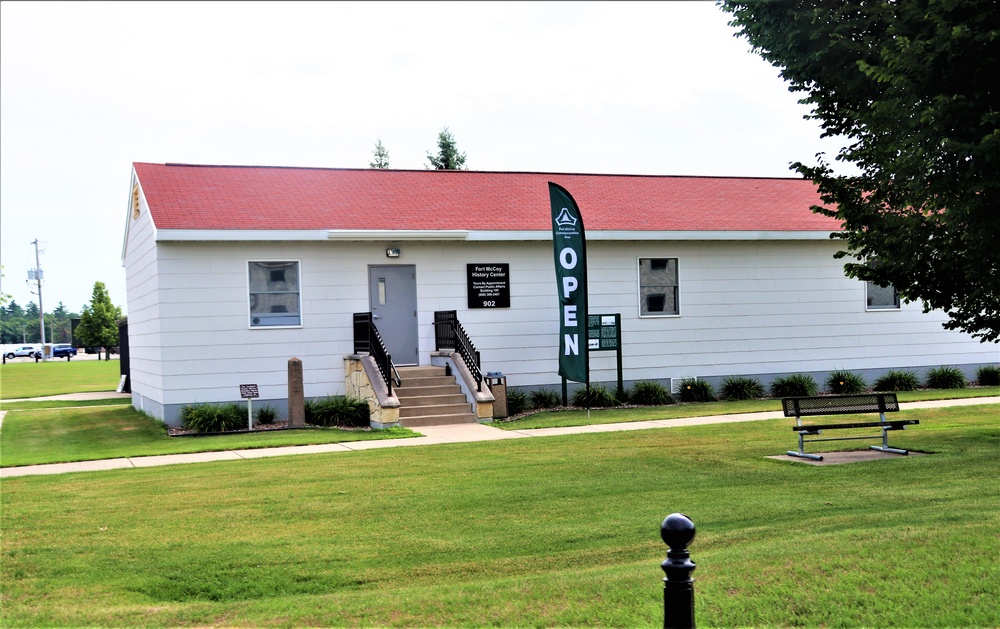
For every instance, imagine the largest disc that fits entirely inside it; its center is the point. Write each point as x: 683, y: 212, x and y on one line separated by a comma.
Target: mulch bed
x: 180, y: 431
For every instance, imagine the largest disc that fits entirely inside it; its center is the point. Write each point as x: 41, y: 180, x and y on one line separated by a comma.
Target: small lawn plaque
x: 249, y: 391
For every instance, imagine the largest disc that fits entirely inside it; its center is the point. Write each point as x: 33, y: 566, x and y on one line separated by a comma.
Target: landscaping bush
x: 649, y: 393
x: 600, y: 397
x: 545, y: 398
x: 741, y: 388
x: 946, y: 378
x: 214, y: 417
x: 518, y: 401
x: 795, y: 385
x: 265, y: 414
x: 693, y: 390
x: 338, y: 410
x: 898, y: 381
x: 841, y: 382
x: 988, y: 376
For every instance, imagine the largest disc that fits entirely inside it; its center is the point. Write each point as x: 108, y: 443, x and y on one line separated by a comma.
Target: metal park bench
x: 881, y: 403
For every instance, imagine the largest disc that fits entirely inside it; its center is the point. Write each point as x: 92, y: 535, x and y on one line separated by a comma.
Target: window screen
x: 882, y: 297
x: 658, y: 287
x: 274, y: 294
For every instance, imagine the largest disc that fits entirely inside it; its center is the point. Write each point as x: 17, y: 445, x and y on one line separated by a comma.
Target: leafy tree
x: 4, y: 297
x: 448, y: 157
x: 380, y: 158
x: 913, y: 86
x: 99, y: 321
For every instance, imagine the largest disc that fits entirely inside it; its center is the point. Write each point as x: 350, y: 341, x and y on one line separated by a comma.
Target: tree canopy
x: 448, y: 157
x: 99, y: 321
x: 913, y: 87
x: 380, y: 157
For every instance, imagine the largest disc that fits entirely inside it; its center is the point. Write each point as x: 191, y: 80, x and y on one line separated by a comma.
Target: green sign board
x: 604, y: 332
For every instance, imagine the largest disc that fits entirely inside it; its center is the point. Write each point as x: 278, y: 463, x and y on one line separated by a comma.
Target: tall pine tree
x: 448, y: 157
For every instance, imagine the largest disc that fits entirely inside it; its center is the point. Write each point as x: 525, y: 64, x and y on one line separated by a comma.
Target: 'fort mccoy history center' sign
x: 489, y: 285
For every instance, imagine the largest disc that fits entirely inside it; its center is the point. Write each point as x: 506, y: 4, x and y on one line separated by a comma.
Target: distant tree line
x: 20, y: 324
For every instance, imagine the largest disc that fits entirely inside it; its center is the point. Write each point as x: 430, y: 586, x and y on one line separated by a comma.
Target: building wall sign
x: 489, y: 285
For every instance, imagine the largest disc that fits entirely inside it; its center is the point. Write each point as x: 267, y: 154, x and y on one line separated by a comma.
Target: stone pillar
x: 296, y: 394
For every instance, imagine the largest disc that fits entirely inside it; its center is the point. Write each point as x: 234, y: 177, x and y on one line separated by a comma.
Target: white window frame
x: 250, y: 314
x: 677, y: 289
x: 870, y: 308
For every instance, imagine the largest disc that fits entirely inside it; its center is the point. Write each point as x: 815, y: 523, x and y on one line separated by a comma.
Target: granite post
x: 296, y: 394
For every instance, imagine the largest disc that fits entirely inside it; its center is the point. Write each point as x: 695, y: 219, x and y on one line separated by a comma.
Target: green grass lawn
x: 104, y: 432
x: 580, y: 417
x: 553, y: 531
x: 30, y: 379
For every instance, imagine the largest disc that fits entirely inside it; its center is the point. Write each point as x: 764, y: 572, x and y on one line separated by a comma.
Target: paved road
x: 432, y: 435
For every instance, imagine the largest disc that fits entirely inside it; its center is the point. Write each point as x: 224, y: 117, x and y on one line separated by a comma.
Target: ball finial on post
x: 677, y: 531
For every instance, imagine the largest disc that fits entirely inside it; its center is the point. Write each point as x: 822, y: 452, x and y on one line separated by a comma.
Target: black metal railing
x: 367, y: 340
x: 449, y: 334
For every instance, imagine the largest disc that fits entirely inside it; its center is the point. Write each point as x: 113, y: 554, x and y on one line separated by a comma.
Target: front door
x: 392, y: 293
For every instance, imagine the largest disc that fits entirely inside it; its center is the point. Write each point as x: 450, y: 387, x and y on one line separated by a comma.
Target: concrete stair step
x: 437, y: 420
x: 420, y: 372
x: 410, y: 381
x: 436, y: 409
x: 411, y: 392
x: 417, y: 401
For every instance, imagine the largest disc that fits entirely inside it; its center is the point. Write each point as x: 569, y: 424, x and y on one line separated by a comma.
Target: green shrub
x: 600, y: 397
x: 694, y: 390
x: 988, y: 376
x: 946, y: 378
x: 741, y: 388
x: 841, y: 382
x: 214, y: 417
x: 265, y: 414
x: 649, y: 393
x: 898, y: 381
x: 545, y: 398
x: 338, y: 410
x: 518, y: 401
x: 795, y: 385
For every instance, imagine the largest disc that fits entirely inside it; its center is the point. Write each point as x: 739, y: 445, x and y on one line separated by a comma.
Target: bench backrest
x: 839, y: 404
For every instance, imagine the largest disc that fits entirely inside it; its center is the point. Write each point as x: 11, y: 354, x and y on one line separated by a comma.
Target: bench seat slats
x: 895, y: 424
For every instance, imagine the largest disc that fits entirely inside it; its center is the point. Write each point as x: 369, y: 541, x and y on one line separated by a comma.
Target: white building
x: 231, y: 271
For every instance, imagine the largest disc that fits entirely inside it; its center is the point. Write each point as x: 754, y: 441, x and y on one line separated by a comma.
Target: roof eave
x: 382, y: 235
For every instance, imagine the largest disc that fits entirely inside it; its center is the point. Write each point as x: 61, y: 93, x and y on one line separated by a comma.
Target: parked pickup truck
x: 63, y: 351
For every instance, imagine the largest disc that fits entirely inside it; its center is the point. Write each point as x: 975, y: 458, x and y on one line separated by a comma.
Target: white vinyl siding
x: 750, y: 307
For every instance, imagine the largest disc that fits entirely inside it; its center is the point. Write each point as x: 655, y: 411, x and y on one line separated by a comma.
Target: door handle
x: 375, y: 316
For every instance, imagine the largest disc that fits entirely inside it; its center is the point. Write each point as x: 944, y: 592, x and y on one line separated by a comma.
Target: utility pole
x: 37, y: 273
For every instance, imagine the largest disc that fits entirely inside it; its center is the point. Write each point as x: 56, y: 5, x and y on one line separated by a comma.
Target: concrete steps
x: 428, y: 397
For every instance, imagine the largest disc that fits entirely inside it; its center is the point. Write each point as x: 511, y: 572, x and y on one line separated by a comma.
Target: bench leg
x: 804, y: 455
x: 802, y: 451
x: 885, y: 443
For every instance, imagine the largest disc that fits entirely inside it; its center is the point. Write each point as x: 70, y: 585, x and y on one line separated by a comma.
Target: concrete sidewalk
x: 432, y: 435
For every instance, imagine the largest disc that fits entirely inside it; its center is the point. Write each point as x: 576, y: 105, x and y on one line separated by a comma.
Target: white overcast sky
x: 87, y: 88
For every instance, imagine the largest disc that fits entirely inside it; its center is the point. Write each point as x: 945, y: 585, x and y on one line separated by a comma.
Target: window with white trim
x: 274, y: 294
x: 881, y: 297
x: 658, y: 287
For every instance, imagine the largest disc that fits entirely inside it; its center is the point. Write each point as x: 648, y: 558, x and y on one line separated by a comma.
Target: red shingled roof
x: 252, y: 198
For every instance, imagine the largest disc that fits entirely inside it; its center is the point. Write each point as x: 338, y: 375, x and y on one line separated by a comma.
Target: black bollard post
x: 677, y: 532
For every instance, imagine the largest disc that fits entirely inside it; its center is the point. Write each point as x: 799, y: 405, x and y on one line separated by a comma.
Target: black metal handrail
x: 367, y: 340
x: 449, y: 334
